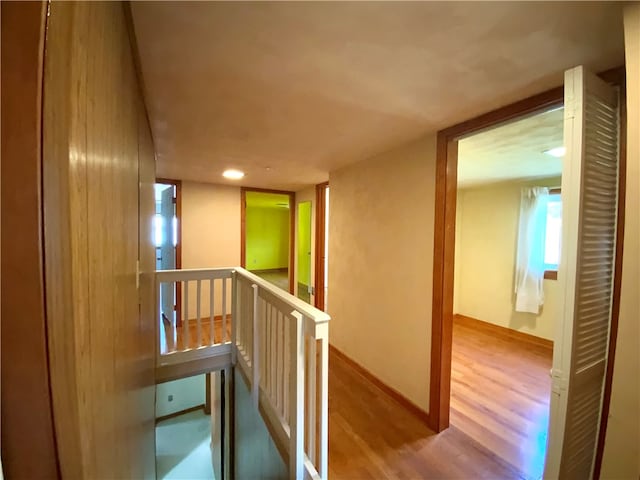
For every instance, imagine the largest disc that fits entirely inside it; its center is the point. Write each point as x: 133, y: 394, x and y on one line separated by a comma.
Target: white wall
x: 210, y: 236
x: 381, y: 265
x: 622, y: 446
x: 486, y: 243
x: 187, y: 393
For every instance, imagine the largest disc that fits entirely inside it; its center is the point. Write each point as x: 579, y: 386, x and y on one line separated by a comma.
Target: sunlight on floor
x: 182, y: 447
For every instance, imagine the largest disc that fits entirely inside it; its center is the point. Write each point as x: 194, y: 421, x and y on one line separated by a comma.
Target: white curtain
x: 529, y: 273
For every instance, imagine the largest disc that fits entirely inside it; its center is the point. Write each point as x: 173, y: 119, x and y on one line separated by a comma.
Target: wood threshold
x: 444, y: 241
x: 503, y: 332
x: 181, y: 412
x: 392, y: 392
x: 550, y: 274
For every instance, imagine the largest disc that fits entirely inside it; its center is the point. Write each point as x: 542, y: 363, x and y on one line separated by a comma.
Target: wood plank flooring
x: 173, y: 339
x: 500, y: 393
x: 499, y: 414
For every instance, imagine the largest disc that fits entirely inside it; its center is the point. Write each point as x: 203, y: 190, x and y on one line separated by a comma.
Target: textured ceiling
x: 513, y: 151
x: 288, y: 91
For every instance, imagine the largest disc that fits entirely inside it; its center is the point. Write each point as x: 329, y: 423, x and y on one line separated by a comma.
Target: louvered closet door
x: 590, y: 197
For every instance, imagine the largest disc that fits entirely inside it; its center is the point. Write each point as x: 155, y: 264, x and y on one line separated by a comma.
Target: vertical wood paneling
x: 98, y: 171
x: 27, y: 422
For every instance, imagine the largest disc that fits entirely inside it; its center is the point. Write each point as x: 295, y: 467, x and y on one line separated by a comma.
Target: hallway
x: 372, y: 436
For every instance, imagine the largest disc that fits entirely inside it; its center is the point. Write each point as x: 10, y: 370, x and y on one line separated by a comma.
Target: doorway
x: 584, y: 158
x: 267, y: 233
x: 508, y: 223
x: 167, y: 241
x: 304, y: 251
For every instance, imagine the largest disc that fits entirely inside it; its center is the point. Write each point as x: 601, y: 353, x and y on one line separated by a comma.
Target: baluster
x: 296, y: 396
x: 198, y: 315
x: 310, y: 412
x: 255, y: 358
x: 185, y: 320
x: 279, y: 347
x: 212, y: 330
x: 322, y: 332
x: 224, y: 309
x: 235, y: 317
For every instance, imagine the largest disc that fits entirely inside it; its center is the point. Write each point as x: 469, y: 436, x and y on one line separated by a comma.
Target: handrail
x: 279, y: 342
x: 309, y: 311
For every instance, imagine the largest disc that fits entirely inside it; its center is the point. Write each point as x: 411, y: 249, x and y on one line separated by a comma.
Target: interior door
x: 304, y: 251
x: 167, y: 253
x: 590, y: 202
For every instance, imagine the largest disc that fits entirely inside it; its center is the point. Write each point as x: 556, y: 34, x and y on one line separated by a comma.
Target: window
x: 553, y: 232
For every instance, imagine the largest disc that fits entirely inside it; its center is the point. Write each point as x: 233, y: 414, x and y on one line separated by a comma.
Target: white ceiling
x: 512, y: 152
x: 288, y: 91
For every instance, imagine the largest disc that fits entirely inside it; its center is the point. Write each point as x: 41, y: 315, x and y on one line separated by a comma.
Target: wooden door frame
x: 292, y: 228
x: 321, y: 216
x: 178, y: 185
x: 444, y: 246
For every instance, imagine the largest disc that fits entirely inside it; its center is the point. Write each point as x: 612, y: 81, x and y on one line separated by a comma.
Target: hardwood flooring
x: 173, y: 339
x: 500, y: 394
x: 499, y: 413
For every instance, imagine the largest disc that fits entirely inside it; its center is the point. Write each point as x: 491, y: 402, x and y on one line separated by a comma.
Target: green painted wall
x: 304, y: 243
x: 267, y: 233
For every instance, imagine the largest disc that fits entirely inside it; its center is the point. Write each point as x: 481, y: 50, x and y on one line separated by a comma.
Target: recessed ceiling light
x: 556, y: 152
x: 232, y: 174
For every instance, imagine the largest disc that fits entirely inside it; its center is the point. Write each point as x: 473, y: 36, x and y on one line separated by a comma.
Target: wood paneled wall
x: 97, y: 172
x: 27, y: 423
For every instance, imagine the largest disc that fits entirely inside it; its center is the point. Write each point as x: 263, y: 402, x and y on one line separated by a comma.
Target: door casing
x: 444, y: 244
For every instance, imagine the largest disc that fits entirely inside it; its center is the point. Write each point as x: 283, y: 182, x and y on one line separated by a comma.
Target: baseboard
x: 392, y: 392
x: 181, y: 412
x: 503, y: 332
x: 270, y: 270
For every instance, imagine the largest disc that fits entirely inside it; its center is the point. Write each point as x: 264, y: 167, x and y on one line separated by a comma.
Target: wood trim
x: 292, y: 228
x: 321, y: 214
x: 207, y: 393
x: 444, y: 235
x: 555, y: 191
x: 181, y: 412
x: 550, y: 274
x: 27, y: 408
x: 392, y: 392
x: 620, y: 80
x: 503, y: 332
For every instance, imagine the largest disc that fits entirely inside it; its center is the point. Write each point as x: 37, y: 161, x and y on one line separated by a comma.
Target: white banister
x: 277, y: 340
x: 255, y: 354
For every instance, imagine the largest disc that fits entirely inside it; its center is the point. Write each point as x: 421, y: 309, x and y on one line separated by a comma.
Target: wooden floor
x: 499, y: 414
x: 173, y: 338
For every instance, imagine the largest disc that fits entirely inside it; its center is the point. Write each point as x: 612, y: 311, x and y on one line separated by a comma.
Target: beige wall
x: 622, y: 446
x: 210, y: 236
x: 486, y: 243
x: 381, y: 265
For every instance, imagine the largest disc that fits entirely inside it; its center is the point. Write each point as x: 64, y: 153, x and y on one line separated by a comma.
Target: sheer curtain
x: 529, y: 273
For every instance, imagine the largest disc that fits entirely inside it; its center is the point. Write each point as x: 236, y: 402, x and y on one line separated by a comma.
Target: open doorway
x: 589, y: 271
x: 506, y: 297
x: 303, y: 251
x: 167, y: 241
x: 267, y: 235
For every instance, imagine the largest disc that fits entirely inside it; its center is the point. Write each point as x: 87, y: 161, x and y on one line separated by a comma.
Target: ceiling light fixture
x: 556, y: 152
x: 233, y: 174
